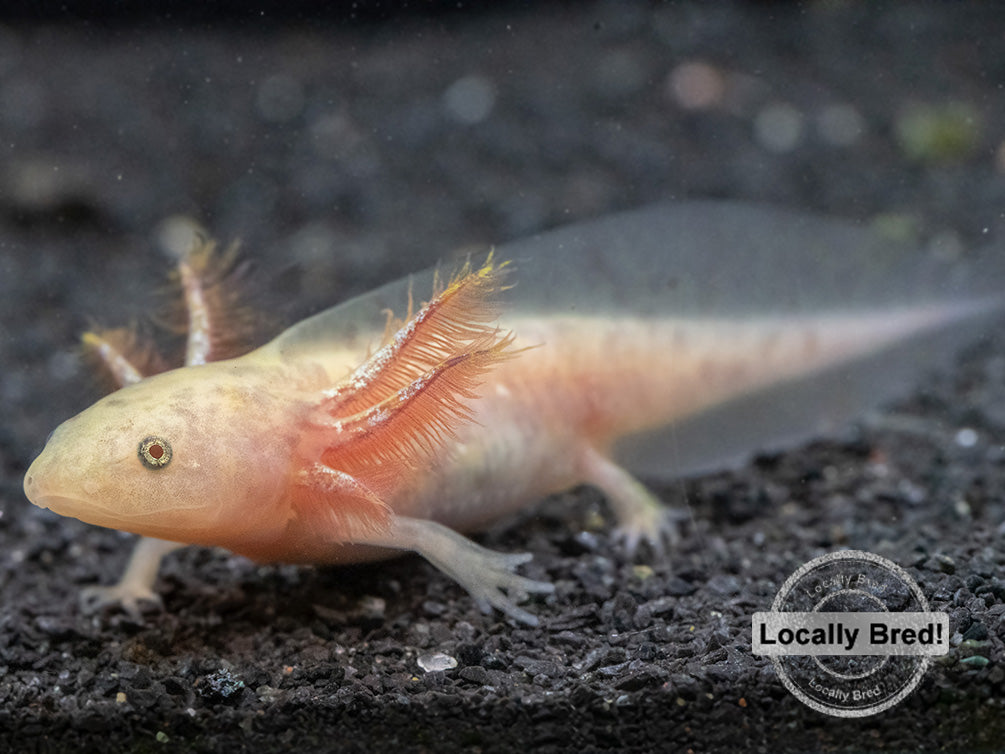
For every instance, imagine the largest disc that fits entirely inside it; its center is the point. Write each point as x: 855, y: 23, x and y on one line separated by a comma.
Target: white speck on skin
x: 376, y: 417
x: 411, y: 390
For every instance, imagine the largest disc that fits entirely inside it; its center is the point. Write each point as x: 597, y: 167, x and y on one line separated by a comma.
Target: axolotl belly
x: 646, y: 341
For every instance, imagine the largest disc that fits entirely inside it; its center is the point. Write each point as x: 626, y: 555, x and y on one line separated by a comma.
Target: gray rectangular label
x: 850, y: 633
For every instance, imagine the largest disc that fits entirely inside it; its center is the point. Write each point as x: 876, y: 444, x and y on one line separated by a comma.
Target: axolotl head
x: 189, y: 455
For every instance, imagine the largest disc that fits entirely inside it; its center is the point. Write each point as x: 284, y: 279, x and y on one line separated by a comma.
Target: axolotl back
x: 661, y: 342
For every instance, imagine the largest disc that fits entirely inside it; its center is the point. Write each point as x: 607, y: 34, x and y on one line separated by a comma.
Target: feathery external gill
x: 210, y: 310
x: 409, y: 425
x: 398, y: 407
x: 120, y: 356
x: 455, y: 321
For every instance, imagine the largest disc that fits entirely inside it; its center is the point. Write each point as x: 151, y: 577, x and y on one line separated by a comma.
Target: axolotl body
x: 667, y: 341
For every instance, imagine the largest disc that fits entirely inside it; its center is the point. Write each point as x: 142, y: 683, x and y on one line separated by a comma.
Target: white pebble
x: 432, y: 662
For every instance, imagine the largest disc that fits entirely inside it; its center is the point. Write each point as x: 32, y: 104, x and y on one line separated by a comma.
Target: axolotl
x: 660, y: 342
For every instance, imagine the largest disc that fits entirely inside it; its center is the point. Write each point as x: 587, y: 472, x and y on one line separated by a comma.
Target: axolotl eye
x: 155, y: 452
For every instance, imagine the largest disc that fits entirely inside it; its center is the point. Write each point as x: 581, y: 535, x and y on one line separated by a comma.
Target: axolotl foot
x: 136, y: 584
x: 124, y: 595
x: 641, y: 516
x: 654, y: 524
x: 487, y: 575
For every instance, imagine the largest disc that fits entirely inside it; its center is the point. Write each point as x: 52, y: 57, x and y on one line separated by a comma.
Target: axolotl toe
x: 663, y: 342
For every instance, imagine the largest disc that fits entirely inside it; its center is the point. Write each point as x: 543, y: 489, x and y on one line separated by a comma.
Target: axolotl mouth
x: 39, y: 490
x: 90, y: 511
x: 64, y: 505
x: 48, y: 485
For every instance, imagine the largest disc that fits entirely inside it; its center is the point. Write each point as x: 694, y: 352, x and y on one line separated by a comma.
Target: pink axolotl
x: 666, y: 341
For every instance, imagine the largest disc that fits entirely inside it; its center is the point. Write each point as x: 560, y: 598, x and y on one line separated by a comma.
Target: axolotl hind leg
x: 641, y: 516
x: 488, y: 576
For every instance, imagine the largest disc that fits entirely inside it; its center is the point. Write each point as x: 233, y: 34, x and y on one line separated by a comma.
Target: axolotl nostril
x: 661, y: 342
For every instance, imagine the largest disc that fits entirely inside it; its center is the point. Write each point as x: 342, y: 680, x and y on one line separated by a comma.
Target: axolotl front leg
x: 487, y: 574
x: 136, y: 584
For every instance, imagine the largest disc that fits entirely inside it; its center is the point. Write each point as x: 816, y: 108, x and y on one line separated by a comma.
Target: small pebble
x: 977, y: 661
x: 432, y: 662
